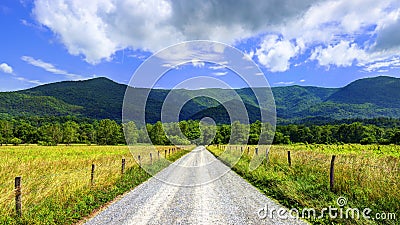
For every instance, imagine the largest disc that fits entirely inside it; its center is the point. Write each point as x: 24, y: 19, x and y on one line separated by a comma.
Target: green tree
x: 51, y: 133
x: 239, y: 133
x: 26, y: 132
x: 157, y: 134
x: 108, y: 132
x: 131, y: 132
x: 15, y: 141
x: 6, y: 131
x: 87, y: 133
x: 70, y: 132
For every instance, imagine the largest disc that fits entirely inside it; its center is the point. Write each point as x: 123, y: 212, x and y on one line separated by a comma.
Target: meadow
x: 56, y: 181
x: 367, y: 176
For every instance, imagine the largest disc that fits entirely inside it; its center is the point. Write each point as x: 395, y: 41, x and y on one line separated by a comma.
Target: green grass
x: 364, y: 175
x: 56, y: 185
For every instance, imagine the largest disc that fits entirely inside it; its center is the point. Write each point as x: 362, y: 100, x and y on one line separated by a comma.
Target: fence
x: 18, y: 192
x: 331, y: 160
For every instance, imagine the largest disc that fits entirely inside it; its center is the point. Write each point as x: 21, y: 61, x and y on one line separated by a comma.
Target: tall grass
x: 364, y: 175
x: 56, y: 183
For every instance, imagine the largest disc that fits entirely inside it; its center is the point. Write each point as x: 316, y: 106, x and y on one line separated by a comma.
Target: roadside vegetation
x: 56, y: 180
x: 367, y: 176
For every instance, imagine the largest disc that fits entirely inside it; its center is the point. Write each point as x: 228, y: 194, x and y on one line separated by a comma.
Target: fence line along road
x: 229, y: 199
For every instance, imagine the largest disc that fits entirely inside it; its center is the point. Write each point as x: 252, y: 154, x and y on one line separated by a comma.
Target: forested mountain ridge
x: 101, y: 98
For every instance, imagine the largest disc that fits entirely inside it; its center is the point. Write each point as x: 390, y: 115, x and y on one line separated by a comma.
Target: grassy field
x: 56, y: 181
x: 367, y: 176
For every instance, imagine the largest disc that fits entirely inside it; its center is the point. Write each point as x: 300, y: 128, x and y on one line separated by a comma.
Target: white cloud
x: 198, y: 63
x: 5, y: 68
x: 331, y: 29
x: 37, y: 82
x: 217, y: 67
x: 284, y: 83
x: 275, y: 53
x: 220, y: 73
x: 302, y: 81
x: 98, y: 28
x: 343, y: 54
x: 382, y: 66
x: 50, y: 68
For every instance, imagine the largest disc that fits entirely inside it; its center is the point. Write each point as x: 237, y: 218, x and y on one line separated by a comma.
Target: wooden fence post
x: 266, y: 156
x: 332, y: 174
x: 151, y: 159
x: 241, y: 149
x: 248, y: 150
x: 140, y: 161
x: 92, y: 175
x: 289, y: 159
x: 169, y: 151
x: 256, y: 151
x: 123, y: 166
x: 18, y: 196
x: 165, y: 153
x: 158, y: 155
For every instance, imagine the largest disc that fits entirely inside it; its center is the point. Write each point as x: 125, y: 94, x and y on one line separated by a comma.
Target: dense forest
x: 69, y: 130
x: 364, y: 98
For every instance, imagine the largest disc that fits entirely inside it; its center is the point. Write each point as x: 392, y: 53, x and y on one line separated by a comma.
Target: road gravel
x: 196, y: 189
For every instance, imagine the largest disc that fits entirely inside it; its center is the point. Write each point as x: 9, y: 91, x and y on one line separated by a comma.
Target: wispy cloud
x: 302, y: 81
x: 284, y: 83
x: 37, y: 82
x: 392, y: 63
x: 50, y: 68
x: 5, y: 68
x: 217, y: 67
x: 220, y: 73
x: 198, y: 63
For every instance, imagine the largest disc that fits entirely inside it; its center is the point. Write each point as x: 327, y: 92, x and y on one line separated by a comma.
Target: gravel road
x: 187, y: 193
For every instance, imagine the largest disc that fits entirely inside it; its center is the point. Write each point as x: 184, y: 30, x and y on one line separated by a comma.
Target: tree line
x: 71, y: 130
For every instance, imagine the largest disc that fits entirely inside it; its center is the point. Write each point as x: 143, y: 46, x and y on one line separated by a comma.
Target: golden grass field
x: 58, y: 174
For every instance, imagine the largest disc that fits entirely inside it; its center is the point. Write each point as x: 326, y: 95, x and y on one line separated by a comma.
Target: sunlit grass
x: 368, y: 176
x: 55, y: 179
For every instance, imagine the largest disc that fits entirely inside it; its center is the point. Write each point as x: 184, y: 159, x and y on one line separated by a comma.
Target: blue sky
x: 319, y: 43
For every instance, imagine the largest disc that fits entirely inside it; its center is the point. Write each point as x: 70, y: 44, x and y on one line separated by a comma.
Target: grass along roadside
x: 367, y: 179
x: 56, y: 187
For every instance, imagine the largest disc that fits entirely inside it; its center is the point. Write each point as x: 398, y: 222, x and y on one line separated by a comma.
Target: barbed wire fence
x: 331, y: 162
x: 31, y: 190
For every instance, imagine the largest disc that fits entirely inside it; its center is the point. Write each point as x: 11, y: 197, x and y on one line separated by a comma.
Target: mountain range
x: 101, y: 98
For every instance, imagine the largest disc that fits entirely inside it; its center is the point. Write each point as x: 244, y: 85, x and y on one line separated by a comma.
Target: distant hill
x: 380, y: 91
x: 102, y: 98
x: 98, y: 98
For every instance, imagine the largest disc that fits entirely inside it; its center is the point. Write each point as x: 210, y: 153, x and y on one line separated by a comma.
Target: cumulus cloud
x: 342, y: 55
x: 389, y: 35
x: 324, y: 29
x: 50, y: 67
x: 331, y: 31
x: 275, y: 53
x: 97, y: 29
x: 5, y: 68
